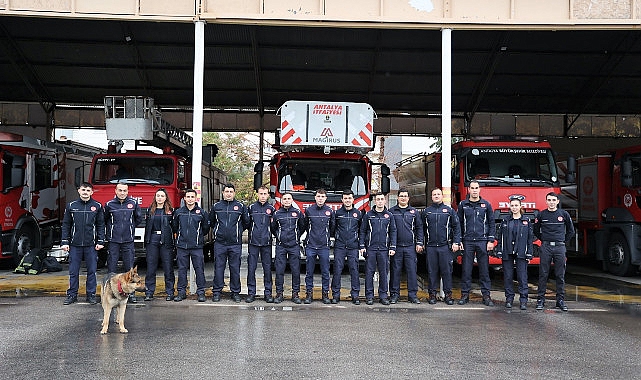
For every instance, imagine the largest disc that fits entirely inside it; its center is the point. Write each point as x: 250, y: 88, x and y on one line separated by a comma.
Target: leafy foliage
x: 236, y: 156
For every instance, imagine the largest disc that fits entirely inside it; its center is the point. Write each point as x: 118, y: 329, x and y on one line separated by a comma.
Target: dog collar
x: 122, y: 293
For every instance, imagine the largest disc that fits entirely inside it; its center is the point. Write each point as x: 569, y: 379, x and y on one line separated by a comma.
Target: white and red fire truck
x: 324, y: 145
x: 502, y: 168
x: 38, y: 179
x: 136, y: 118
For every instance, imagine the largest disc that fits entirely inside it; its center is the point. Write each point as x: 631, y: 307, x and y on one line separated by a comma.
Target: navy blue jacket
x: 348, y: 223
x: 319, y: 224
x: 121, y: 219
x: 83, y: 224
x: 167, y: 233
x: 287, y: 226
x: 228, y: 219
x: 515, y: 237
x: 191, y: 226
x: 260, y: 217
x: 409, y: 226
x: 554, y: 225
x: 378, y: 230
x: 477, y: 220
x: 441, y: 225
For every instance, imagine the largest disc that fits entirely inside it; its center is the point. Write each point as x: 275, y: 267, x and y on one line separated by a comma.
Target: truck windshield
x: 514, y: 166
x: 334, y: 176
x: 149, y: 170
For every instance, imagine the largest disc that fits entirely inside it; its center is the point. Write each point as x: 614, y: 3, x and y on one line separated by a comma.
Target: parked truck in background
x: 503, y: 169
x: 324, y: 145
x: 145, y: 171
x: 38, y: 179
x: 609, y: 209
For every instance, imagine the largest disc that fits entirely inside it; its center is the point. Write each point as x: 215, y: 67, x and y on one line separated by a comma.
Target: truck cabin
x: 303, y: 177
x: 147, y: 170
x: 508, y: 166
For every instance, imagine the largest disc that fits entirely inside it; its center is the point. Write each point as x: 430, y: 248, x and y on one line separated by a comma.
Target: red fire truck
x: 324, y: 145
x: 502, y: 168
x: 609, y: 209
x: 136, y: 118
x: 38, y: 179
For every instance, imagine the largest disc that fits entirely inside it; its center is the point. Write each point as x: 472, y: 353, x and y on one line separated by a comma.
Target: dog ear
x: 135, y: 269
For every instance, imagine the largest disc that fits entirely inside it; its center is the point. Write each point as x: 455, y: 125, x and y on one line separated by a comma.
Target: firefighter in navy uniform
x: 348, y: 221
x: 228, y: 219
x: 260, y: 245
x: 122, y: 215
x: 442, y: 231
x: 515, y: 238
x: 83, y: 235
x: 409, y: 240
x: 477, y: 229
x: 319, y: 223
x: 191, y: 224
x: 159, y: 243
x: 287, y: 226
x: 553, y: 227
x: 377, y: 241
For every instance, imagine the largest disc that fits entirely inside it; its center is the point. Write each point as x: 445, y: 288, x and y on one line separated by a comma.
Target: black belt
x: 554, y: 243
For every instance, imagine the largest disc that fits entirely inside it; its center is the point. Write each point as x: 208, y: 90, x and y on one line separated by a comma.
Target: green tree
x: 236, y: 156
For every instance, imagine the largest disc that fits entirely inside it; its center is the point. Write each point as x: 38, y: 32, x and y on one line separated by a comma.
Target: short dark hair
x: 402, y: 190
x: 436, y: 188
x: 552, y: 194
x: 348, y: 192
x: 229, y: 186
x: 263, y: 188
x: 320, y: 191
x: 287, y: 193
x: 378, y: 193
x: 190, y: 191
x: 86, y: 184
x: 474, y: 181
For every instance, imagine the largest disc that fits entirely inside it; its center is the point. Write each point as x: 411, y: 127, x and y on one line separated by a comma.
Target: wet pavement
x: 597, y: 339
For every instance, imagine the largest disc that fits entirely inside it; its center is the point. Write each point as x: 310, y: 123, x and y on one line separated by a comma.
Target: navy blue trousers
x: 283, y: 254
x: 222, y: 255
x: 376, y: 259
x: 323, y: 260
x: 116, y: 250
x: 156, y: 252
x: 265, y: 253
x: 404, y: 256
x: 508, y: 278
x: 549, y: 254
x: 198, y: 260
x: 76, y: 255
x: 439, y: 265
x: 340, y: 254
x: 480, y: 249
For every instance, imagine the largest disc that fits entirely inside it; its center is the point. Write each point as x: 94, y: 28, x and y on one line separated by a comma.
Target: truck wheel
x: 618, y: 260
x: 25, y: 241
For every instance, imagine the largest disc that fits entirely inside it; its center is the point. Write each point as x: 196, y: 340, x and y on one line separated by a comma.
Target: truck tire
x: 618, y: 259
x: 25, y: 241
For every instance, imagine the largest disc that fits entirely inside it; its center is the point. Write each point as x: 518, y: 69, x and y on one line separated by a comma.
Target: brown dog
x: 115, y: 292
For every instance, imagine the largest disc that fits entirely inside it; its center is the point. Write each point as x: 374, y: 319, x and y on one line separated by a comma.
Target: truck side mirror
x: 571, y: 175
x: 385, y: 170
x: 385, y: 185
x: 385, y: 181
x: 258, y: 175
x: 626, y: 172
